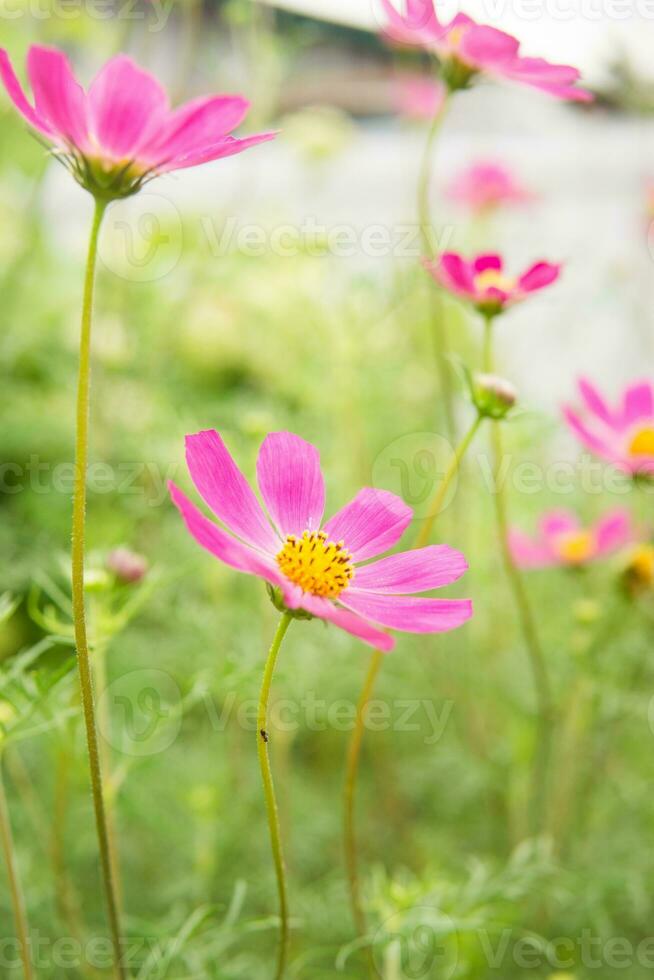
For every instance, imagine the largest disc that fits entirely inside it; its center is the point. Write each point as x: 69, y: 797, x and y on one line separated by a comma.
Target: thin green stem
x: 79, y: 616
x: 269, y: 793
x: 429, y: 242
x: 349, y: 831
x: 15, y: 890
x: 525, y: 615
x: 450, y: 473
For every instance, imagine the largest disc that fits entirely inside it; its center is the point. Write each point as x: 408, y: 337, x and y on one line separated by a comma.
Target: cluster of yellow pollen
x: 317, y: 565
x: 494, y: 279
x: 576, y: 547
x: 642, y: 442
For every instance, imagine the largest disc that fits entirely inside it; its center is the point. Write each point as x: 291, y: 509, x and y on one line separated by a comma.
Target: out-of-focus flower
x: 466, y: 49
x: 314, y: 566
x: 493, y: 397
x: 127, y: 566
x: 624, y: 433
x: 639, y: 569
x: 485, y: 186
x: 484, y: 283
x: 418, y: 97
x: 122, y: 132
x: 563, y: 541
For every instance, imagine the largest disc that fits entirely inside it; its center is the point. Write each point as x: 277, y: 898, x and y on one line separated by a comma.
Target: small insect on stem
x: 264, y: 734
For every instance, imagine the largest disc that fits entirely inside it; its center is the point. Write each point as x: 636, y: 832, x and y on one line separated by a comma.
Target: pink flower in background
x: 467, y: 48
x: 418, y: 97
x: 122, y: 131
x: 624, y: 433
x: 485, y: 186
x: 317, y: 566
x: 483, y: 281
x: 562, y: 540
x: 128, y: 566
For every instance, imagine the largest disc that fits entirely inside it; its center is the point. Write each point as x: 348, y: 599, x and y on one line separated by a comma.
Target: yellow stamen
x: 642, y: 442
x: 576, y: 547
x: 455, y: 36
x: 494, y: 279
x: 317, y: 565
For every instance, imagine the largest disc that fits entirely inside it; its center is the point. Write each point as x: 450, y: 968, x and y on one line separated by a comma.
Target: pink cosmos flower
x: 418, y: 97
x: 563, y: 541
x: 485, y: 185
x: 466, y: 48
x: 483, y: 281
x: 624, y: 433
x: 122, y: 131
x: 317, y: 566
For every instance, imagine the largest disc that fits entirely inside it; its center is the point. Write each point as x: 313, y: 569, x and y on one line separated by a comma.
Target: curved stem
x: 15, y: 890
x: 429, y: 243
x: 79, y: 617
x: 269, y: 792
x: 450, y: 473
x: 351, y: 772
x: 525, y: 615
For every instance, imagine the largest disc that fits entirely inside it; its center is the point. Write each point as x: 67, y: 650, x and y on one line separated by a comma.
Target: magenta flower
x: 623, y: 434
x: 317, y: 566
x: 483, y: 282
x: 466, y: 49
x: 122, y: 132
x: 485, y: 186
x: 418, y: 97
x: 564, y: 542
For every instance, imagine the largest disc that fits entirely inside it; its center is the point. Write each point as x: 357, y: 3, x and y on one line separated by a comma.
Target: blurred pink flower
x: 122, y: 131
x: 483, y: 282
x: 315, y: 566
x: 623, y: 434
x: 418, y: 97
x: 561, y: 539
x: 486, y: 185
x: 127, y: 565
x: 467, y: 48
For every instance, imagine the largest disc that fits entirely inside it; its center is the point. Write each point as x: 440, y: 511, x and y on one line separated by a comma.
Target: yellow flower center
x: 642, y: 443
x: 494, y: 279
x: 317, y: 565
x: 641, y: 566
x: 576, y: 547
x: 455, y: 36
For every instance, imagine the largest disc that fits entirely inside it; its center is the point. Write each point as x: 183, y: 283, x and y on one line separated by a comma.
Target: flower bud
x: 127, y: 566
x: 493, y: 397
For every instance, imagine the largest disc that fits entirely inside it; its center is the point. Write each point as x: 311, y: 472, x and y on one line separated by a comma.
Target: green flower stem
x: 15, y: 890
x: 269, y: 793
x: 351, y: 773
x: 450, y: 473
x: 525, y: 615
x: 79, y: 617
x: 427, y: 238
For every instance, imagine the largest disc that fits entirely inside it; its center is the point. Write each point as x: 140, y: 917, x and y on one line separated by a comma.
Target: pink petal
x: 638, y: 403
x: 527, y: 553
x: 614, y: 531
x: 291, y: 483
x: 593, y: 442
x: 555, y: 522
x: 540, y: 274
x: 196, y: 125
x: 595, y: 403
x: 454, y: 273
x: 226, y: 147
x: 58, y: 97
x: 411, y: 614
x: 347, y: 621
x: 371, y: 523
x: 225, y: 490
x: 557, y: 80
x: 223, y: 545
x: 17, y: 96
x: 127, y: 106
x: 489, y: 261
x: 412, y: 571
x: 487, y: 47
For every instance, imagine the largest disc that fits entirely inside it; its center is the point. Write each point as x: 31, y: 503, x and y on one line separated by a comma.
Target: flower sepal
x: 456, y: 74
x: 277, y: 599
